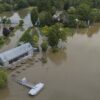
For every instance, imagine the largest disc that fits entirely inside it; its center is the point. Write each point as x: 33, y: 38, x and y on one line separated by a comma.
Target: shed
x: 15, y: 54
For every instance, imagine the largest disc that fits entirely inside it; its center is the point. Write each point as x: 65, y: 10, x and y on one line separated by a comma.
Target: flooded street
x: 70, y: 74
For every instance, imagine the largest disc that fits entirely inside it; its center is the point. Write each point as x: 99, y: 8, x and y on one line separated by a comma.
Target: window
x: 1, y: 63
x: 17, y: 58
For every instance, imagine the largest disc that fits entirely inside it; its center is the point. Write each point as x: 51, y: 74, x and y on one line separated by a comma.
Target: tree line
x: 73, y: 12
x: 86, y: 11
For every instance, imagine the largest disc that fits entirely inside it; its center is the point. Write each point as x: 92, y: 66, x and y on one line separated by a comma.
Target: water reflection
x: 94, y: 29
x: 57, y: 57
x: 4, y: 93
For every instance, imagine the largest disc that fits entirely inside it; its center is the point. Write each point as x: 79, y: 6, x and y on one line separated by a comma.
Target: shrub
x: 21, y: 23
x: 45, y: 30
x: 6, y: 32
x: 1, y: 41
x: 3, y: 78
x: 44, y: 46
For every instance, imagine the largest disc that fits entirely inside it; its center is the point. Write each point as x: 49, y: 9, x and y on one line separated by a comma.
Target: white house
x: 16, y: 54
x: 15, y: 18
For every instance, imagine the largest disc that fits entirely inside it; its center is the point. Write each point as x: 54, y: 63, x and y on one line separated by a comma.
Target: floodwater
x: 70, y: 74
x: 15, y: 17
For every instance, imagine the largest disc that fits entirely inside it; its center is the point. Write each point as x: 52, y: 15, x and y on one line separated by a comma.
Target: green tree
x: 34, y: 15
x: 45, y: 18
x: 53, y: 38
x: 45, y: 30
x: 95, y: 15
x: 84, y: 12
x: 55, y: 34
x: 72, y: 10
x: 35, y: 38
x: 22, y: 4
x: 44, y: 5
x: 44, y: 46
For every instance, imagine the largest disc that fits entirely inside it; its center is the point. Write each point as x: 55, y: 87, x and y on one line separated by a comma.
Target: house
x: 11, y: 56
x: 56, y: 16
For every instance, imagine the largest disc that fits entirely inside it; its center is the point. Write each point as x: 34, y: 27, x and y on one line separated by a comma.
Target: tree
x: 72, y: 10
x: 34, y: 15
x: 53, y: 37
x: 84, y: 12
x: 44, y: 5
x: 22, y: 4
x: 6, y: 31
x: 95, y: 15
x: 55, y: 34
x: 71, y: 20
x: 44, y: 46
x: 1, y: 41
x: 3, y: 78
x: 45, y: 30
x: 45, y: 18
x: 35, y: 38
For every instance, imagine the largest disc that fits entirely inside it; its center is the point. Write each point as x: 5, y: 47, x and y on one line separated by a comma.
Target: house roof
x: 15, y: 52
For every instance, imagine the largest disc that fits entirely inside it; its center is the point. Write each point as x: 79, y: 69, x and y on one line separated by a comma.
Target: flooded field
x: 70, y: 74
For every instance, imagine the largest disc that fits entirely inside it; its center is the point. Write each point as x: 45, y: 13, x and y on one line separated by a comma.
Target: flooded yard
x: 15, y: 17
x: 70, y: 74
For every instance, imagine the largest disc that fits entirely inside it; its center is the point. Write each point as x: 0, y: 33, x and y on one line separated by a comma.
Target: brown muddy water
x: 70, y: 74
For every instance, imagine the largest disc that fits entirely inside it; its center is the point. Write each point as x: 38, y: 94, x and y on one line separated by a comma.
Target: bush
x: 44, y: 46
x: 6, y: 32
x: 35, y: 38
x: 72, y: 10
x: 21, y: 23
x: 3, y: 78
x: 45, y: 30
x: 1, y: 41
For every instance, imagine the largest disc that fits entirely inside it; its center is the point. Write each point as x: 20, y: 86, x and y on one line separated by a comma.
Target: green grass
x: 26, y: 37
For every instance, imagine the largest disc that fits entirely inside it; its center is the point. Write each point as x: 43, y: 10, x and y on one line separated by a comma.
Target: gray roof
x: 15, y: 52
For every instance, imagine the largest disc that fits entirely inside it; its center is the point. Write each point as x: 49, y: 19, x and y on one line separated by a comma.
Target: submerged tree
x: 55, y: 34
x: 44, y: 46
